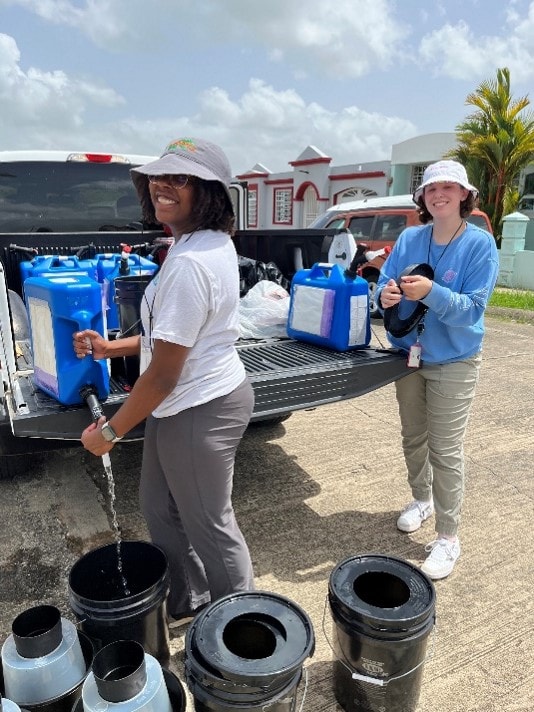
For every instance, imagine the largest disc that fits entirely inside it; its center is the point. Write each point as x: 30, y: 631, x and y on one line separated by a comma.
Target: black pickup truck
x: 287, y: 375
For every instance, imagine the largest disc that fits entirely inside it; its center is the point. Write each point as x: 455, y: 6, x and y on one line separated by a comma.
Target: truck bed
x: 286, y: 375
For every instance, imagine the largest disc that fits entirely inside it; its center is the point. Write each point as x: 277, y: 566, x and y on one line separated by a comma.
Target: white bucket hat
x: 446, y: 171
x: 192, y: 156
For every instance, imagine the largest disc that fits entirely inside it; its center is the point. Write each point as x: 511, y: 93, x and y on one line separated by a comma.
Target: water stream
x: 106, y: 461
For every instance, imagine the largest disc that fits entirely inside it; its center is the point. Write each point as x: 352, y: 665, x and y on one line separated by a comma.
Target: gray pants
x: 434, y: 403
x: 185, y: 496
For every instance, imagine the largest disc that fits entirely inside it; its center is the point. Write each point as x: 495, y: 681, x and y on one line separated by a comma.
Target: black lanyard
x: 446, y: 246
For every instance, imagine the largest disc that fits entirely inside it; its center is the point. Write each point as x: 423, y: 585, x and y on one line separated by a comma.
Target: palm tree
x: 495, y: 142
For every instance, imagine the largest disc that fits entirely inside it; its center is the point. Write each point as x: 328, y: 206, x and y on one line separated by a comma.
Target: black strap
x: 392, y: 322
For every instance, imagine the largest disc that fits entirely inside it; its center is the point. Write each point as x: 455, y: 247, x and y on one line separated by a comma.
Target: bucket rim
x: 204, y: 638
x: 249, y: 695
x: 412, y: 613
x: 77, y: 598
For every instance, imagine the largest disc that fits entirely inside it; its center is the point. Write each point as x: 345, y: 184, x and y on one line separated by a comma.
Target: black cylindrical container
x: 129, y: 291
x: 383, y: 612
x: 37, y: 631
x: 131, y: 605
x: 174, y: 687
x: 246, y: 651
x: 64, y: 702
x: 120, y: 671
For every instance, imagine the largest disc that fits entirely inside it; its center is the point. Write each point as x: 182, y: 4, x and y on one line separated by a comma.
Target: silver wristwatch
x: 109, y: 434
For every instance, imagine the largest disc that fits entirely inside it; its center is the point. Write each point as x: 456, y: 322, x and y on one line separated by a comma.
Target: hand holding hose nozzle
x: 89, y: 394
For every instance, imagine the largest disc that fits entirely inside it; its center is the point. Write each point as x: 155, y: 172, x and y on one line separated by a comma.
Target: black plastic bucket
x: 383, y: 610
x: 111, y: 608
x: 129, y: 291
x: 246, y: 652
x: 64, y: 702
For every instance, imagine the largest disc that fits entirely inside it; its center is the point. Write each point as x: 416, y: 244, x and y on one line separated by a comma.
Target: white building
x: 294, y: 198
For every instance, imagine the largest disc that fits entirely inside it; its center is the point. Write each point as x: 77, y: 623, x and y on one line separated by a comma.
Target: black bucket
x: 110, y: 607
x: 129, y: 291
x: 383, y: 612
x: 65, y: 702
x: 246, y: 652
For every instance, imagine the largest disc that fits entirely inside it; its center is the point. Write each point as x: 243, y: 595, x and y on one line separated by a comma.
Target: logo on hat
x: 181, y: 144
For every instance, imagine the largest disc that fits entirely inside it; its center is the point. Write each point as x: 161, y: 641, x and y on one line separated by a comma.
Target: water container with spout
x: 330, y: 308
x: 58, y: 307
x: 57, y: 266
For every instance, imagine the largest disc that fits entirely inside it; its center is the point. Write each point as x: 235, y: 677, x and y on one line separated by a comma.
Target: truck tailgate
x: 290, y: 375
x: 286, y: 375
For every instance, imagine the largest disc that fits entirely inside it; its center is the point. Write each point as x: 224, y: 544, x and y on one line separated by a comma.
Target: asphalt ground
x: 324, y: 486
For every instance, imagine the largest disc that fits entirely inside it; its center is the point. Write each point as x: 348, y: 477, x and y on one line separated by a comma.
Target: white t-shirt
x: 193, y: 301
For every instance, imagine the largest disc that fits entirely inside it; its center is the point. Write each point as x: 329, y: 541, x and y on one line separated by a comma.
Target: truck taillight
x: 97, y: 158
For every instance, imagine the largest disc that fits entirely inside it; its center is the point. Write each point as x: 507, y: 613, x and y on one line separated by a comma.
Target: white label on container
x: 44, y: 352
x: 312, y: 310
x: 359, y: 314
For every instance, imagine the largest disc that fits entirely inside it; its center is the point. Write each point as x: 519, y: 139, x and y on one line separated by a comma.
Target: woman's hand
x: 390, y: 294
x: 415, y: 287
x: 90, y: 342
x: 92, y: 439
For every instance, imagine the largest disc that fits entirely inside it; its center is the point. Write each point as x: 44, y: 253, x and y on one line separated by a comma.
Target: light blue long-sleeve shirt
x: 465, y: 275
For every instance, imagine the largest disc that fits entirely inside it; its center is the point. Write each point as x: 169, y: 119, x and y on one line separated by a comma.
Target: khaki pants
x: 434, y: 404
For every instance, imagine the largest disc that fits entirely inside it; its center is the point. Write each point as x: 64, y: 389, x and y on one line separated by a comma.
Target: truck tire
x: 371, y: 276
x: 19, y: 317
x: 273, y: 420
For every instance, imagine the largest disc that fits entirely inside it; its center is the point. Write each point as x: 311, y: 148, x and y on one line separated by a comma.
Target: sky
x: 262, y: 78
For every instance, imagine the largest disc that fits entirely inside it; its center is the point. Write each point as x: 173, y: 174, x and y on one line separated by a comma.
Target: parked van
x: 378, y: 222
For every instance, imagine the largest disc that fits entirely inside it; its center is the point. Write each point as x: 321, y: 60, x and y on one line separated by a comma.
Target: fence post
x: 513, y: 240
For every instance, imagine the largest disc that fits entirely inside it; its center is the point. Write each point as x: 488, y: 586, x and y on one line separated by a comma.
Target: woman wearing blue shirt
x: 444, y: 347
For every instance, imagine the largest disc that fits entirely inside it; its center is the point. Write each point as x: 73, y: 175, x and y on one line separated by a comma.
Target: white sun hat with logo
x: 191, y: 156
x: 446, y: 171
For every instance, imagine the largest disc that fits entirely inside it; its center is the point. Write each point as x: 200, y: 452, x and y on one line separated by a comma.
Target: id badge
x: 146, y: 354
x: 414, y: 355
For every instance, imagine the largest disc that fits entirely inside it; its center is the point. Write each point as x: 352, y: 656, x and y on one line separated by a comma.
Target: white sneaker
x: 443, y: 555
x: 414, y: 515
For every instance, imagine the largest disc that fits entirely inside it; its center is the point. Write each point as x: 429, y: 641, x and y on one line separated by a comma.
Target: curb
x: 520, y: 315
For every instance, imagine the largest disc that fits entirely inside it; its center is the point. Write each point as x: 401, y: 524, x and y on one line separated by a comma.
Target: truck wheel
x: 19, y: 317
x: 274, y: 420
x: 372, y: 280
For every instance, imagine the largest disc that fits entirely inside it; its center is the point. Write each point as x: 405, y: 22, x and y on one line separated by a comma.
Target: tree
x: 495, y: 143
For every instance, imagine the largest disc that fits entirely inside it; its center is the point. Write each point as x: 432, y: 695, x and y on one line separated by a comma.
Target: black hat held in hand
x: 393, y: 323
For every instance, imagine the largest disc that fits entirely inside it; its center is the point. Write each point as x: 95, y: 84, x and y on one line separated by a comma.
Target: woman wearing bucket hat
x: 192, y: 390
x: 434, y: 289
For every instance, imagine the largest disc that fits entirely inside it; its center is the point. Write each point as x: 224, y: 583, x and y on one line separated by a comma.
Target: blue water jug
x: 110, y: 266
x: 329, y: 308
x: 57, y: 265
x: 58, y: 307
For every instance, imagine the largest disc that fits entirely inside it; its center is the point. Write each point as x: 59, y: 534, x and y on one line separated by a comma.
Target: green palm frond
x: 495, y: 143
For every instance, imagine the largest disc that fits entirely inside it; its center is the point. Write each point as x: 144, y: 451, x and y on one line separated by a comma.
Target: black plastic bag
x: 253, y: 271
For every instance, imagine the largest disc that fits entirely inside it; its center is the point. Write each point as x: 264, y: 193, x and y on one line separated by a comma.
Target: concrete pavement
x: 325, y: 485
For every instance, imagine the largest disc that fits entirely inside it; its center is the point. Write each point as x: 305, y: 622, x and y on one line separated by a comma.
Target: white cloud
x: 274, y: 127
x: 344, y: 38
x: 456, y: 51
x: 40, y: 106
x: 335, y: 38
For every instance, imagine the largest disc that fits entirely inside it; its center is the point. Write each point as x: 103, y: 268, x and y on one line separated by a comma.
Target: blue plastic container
x: 57, y: 307
x: 329, y: 309
x: 108, y: 268
x: 57, y: 265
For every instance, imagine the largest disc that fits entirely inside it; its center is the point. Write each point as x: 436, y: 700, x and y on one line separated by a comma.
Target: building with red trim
x: 294, y: 198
